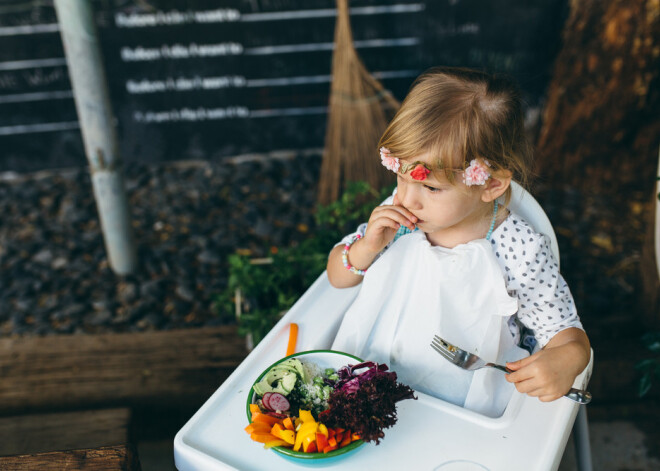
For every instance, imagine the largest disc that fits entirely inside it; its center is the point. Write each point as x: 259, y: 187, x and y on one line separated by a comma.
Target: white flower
x: 477, y: 173
x: 389, y: 162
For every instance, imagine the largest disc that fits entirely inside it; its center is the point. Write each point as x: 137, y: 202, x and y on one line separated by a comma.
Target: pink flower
x: 477, y: 173
x: 389, y: 162
x: 420, y: 172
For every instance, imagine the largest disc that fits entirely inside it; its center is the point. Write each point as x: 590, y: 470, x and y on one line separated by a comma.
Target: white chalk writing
x: 174, y: 17
x: 183, y: 84
x: 191, y: 114
x: 179, y: 51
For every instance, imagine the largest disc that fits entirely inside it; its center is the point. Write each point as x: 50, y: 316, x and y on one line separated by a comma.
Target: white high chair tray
x: 431, y: 433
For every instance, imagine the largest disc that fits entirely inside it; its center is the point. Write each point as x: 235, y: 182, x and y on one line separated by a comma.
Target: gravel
x: 187, y: 217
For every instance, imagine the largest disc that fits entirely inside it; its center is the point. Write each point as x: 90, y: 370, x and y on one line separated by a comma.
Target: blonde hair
x: 459, y: 114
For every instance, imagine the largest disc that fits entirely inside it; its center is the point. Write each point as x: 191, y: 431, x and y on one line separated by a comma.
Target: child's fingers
x: 396, y: 213
x: 527, y: 386
x: 386, y: 222
x: 533, y: 389
x: 396, y: 203
x: 516, y: 365
x: 549, y: 397
x: 407, y: 214
x: 518, y: 376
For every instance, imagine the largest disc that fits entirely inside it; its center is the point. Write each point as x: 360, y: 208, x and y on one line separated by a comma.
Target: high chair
x: 436, y: 435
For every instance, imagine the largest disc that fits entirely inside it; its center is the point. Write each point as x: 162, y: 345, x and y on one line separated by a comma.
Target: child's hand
x: 383, y: 224
x: 549, y: 374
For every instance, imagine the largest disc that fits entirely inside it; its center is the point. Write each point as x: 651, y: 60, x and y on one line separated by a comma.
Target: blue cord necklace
x: 492, y: 221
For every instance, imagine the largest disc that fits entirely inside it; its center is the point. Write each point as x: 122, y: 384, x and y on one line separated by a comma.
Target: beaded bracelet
x: 344, y: 256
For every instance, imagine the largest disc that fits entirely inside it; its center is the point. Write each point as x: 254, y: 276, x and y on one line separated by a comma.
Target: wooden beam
x: 39, y: 433
x: 87, y: 371
x: 111, y: 458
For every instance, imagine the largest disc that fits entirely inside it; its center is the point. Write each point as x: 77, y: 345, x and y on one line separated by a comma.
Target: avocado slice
x: 280, y: 380
x: 294, y: 365
x: 287, y: 383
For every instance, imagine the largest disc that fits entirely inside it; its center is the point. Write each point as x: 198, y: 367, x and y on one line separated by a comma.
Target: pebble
x: 188, y: 217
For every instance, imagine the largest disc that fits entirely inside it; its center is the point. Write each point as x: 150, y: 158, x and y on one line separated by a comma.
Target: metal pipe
x: 582, y: 442
x: 97, y: 123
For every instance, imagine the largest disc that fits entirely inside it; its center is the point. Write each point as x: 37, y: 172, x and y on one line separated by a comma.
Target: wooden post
x: 83, y: 54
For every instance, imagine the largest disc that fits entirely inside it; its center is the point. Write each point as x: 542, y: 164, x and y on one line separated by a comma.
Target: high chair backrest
x: 524, y: 204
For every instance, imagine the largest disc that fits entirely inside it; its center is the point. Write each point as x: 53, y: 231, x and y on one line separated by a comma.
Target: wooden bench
x: 167, y: 368
x: 109, y: 458
x: 39, y: 433
x: 82, y: 440
x: 66, y: 401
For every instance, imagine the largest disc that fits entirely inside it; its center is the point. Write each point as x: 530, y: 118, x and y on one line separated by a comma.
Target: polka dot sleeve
x: 531, y: 272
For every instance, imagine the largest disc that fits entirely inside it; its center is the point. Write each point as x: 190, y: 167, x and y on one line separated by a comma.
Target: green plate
x: 323, y: 359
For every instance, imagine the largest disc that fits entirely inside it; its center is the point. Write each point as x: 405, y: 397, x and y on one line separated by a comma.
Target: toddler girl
x: 443, y: 256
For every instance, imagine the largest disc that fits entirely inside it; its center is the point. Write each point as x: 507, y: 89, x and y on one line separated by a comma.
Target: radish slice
x: 278, y: 402
x: 265, y: 400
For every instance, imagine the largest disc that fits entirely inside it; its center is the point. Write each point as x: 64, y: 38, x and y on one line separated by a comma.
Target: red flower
x: 420, y: 172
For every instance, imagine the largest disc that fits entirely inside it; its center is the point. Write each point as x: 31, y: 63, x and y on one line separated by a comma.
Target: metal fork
x: 470, y: 361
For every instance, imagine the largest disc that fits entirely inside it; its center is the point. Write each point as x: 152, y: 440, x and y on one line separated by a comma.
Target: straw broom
x: 360, y: 109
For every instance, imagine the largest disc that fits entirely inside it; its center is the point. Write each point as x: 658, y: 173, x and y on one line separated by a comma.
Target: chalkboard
x: 202, y: 79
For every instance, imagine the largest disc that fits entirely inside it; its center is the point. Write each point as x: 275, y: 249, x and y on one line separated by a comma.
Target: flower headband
x: 475, y: 174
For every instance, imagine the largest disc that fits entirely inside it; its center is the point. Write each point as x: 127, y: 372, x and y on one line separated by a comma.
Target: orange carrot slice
x: 265, y: 418
x: 288, y: 424
x: 257, y: 427
x: 293, y: 338
x: 263, y: 437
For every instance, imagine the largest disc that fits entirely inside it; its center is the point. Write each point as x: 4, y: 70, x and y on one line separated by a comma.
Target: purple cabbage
x: 350, y: 381
x: 364, y: 400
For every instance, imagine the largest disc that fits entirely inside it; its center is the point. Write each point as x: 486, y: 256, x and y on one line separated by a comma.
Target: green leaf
x: 647, y: 364
x: 644, y: 385
x: 651, y: 340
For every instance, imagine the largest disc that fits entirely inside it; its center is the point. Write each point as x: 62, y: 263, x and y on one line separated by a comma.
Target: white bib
x: 414, y: 291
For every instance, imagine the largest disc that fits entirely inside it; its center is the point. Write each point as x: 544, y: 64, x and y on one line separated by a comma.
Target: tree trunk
x: 601, y: 119
x: 601, y: 126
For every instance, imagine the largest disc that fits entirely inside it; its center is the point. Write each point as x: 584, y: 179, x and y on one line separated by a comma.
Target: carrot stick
x: 293, y: 338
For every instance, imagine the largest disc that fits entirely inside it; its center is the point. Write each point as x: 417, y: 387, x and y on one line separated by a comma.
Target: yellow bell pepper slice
x: 289, y: 436
x: 273, y: 443
x: 297, y: 444
x: 306, y: 416
x: 323, y: 429
x: 307, y: 428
